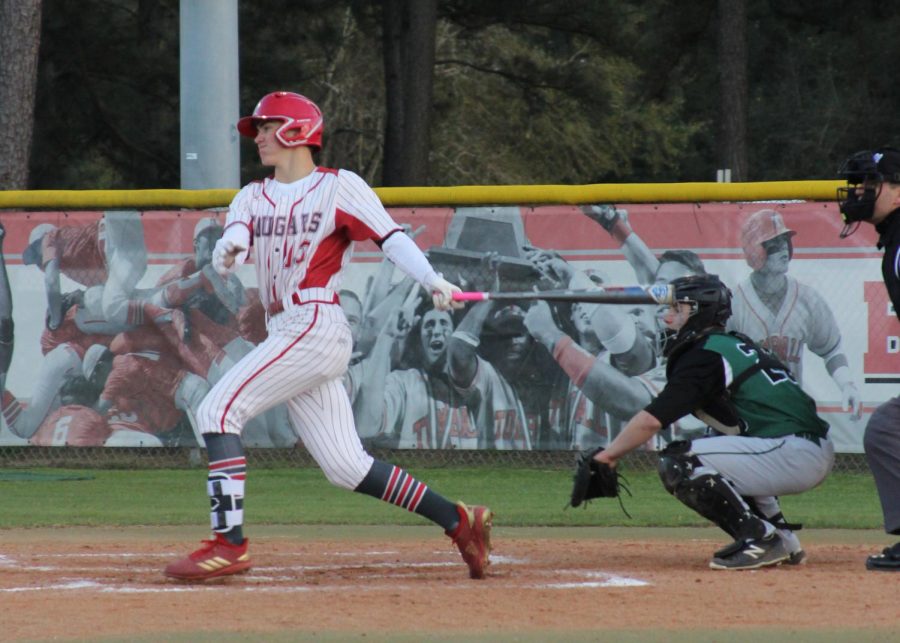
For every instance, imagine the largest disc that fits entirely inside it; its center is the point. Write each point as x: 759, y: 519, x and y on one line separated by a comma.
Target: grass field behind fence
x: 519, y: 497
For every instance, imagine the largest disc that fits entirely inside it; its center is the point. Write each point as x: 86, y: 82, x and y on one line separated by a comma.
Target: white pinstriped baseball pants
x: 300, y: 364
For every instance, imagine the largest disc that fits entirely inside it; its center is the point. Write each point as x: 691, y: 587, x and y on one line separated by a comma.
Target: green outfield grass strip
x: 519, y: 497
x: 41, y: 476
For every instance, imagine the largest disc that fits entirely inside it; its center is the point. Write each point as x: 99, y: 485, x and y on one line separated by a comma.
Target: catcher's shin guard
x: 707, y: 493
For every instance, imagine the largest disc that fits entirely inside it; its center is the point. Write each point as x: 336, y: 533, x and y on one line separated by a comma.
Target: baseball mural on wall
x: 167, y: 302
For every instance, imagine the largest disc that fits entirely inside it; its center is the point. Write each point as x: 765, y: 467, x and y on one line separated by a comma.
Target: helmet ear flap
x: 292, y: 131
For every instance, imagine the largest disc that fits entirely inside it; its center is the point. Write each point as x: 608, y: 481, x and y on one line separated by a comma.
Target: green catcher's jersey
x: 770, y: 401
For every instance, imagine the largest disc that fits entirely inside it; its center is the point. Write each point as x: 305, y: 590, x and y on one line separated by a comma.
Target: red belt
x: 277, y: 306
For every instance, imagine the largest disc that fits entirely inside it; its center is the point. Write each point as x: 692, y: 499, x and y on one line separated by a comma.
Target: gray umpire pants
x: 882, y: 445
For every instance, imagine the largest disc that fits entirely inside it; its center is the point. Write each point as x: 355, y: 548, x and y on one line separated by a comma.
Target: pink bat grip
x: 470, y: 296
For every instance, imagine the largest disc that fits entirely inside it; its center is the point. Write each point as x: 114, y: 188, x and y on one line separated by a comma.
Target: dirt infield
x: 409, y: 583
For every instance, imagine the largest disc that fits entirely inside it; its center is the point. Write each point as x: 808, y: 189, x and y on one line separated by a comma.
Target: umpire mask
x: 865, y: 173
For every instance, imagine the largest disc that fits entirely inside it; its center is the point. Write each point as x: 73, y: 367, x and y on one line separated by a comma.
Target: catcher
x: 767, y: 442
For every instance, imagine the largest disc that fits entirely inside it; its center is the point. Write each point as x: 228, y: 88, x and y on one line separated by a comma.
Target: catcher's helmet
x: 865, y: 172
x: 303, y: 122
x: 760, y: 227
x: 709, y: 298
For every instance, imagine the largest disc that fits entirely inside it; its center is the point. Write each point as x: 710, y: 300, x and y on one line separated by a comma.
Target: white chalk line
x: 568, y: 578
x: 5, y: 559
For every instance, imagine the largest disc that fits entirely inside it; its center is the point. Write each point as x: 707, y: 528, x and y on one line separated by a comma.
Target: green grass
x: 520, y: 497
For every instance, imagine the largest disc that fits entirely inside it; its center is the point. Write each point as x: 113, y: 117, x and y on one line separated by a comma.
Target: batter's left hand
x: 442, y: 295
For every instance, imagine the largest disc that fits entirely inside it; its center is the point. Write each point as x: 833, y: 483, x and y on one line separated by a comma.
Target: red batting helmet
x: 303, y: 122
x: 760, y: 227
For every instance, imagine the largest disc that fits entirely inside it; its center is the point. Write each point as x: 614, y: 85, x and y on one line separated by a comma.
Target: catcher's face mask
x: 678, y: 314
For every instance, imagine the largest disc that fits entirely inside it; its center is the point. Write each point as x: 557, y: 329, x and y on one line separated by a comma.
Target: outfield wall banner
x: 121, y: 326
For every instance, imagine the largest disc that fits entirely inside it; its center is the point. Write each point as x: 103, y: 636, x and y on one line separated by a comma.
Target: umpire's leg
x: 882, y: 445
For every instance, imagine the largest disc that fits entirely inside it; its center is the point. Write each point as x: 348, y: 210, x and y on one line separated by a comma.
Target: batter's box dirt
x: 408, y: 581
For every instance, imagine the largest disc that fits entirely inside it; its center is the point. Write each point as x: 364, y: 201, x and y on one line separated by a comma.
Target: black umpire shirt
x: 889, y: 239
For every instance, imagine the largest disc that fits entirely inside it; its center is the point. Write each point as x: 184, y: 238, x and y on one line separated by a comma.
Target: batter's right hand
x: 442, y: 295
x: 224, y: 254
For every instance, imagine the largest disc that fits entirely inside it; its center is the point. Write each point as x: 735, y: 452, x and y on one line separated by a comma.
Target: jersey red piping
x: 264, y: 367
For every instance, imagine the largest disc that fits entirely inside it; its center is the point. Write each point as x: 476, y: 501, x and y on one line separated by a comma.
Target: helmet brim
x: 247, y: 126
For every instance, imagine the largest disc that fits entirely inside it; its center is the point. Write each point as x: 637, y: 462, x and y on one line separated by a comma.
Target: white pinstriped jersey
x: 302, y: 233
x: 804, y: 319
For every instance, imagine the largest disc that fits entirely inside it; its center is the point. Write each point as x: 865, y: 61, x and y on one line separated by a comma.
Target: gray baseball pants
x: 882, y: 446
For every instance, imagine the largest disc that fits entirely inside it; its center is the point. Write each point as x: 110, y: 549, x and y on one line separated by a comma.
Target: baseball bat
x: 655, y: 294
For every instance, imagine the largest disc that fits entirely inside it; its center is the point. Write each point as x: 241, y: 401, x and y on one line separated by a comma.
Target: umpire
x: 872, y: 196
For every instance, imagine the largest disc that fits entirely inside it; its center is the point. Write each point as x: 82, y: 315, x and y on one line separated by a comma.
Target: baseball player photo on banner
x: 95, y: 297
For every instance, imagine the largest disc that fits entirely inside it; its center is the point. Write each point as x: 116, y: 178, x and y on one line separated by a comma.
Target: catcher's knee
x: 676, y: 465
x: 706, y: 492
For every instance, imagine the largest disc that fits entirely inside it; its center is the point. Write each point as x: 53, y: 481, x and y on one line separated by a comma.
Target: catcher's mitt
x: 594, y: 479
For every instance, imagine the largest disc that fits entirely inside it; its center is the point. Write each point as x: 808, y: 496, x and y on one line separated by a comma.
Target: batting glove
x: 442, y: 294
x: 223, y: 256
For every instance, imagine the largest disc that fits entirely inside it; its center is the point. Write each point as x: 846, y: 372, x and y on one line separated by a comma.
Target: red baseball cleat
x: 216, y: 557
x: 473, y: 537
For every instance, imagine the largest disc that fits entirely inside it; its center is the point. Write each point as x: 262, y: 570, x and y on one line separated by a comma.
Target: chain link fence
x: 185, y: 458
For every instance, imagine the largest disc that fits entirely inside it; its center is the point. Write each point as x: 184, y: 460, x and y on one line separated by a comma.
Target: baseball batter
x: 299, y: 226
